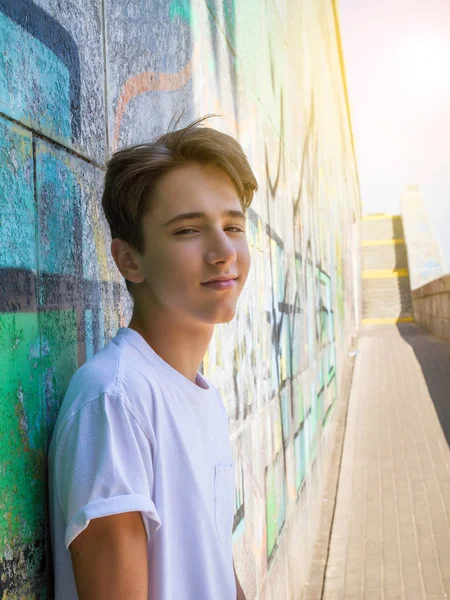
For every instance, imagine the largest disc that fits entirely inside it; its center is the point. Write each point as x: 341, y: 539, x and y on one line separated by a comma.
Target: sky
x: 397, y: 60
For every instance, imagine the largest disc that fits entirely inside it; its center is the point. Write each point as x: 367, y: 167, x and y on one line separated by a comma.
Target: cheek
x: 244, y: 259
x: 180, y: 264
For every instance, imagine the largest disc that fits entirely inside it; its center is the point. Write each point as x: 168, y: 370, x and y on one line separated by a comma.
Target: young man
x: 140, y: 464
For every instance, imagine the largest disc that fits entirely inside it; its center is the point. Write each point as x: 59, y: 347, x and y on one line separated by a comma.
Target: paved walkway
x: 391, y: 534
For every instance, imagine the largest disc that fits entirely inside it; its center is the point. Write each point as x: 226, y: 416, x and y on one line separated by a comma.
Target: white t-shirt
x: 134, y: 434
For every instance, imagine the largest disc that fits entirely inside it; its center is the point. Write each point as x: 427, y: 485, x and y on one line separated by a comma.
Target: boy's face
x: 182, y: 255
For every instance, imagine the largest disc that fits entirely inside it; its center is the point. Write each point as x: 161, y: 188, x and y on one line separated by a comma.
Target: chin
x: 225, y: 315
x: 225, y: 319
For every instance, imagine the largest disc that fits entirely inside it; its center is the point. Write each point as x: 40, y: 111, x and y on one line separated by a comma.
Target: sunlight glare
x: 422, y: 63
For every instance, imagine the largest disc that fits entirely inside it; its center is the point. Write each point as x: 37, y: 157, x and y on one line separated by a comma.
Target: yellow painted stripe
x: 380, y: 217
x: 393, y: 242
x: 388, y: 321
x: 384, y: 273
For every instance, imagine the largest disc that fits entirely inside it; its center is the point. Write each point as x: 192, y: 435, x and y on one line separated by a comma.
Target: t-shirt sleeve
x: 104, y: 466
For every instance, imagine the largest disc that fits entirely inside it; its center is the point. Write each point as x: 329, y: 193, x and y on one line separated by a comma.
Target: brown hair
x: 133, y: 172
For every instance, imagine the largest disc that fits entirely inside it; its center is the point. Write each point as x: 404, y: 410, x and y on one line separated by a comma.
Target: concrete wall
x: 425, y: 258
x: 430, y: 284
x: 80, y: 79
x: 431, y: 305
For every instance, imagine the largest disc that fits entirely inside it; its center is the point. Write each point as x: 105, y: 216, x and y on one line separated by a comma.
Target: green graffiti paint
x: 181, y: 9
x: 17, y: 212
x: 22, y: 481
x: 59, y: 360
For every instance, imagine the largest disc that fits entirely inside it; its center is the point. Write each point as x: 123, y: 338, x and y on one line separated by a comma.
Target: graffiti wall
x: 425, y: 259
x: 81, y: 79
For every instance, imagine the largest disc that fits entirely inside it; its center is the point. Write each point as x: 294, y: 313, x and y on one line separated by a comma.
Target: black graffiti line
x: 230, y: 25
x: 229, y: 14
x: 273, y: 187
x: 274, y: 236
x: 277, y: 360
x: 60, y: 292
x: 213, y: 24
x: 305, y: 154
x: 22, y: 292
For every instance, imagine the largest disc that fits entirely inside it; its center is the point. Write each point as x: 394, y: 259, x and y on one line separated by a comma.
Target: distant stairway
x: 386, y: 286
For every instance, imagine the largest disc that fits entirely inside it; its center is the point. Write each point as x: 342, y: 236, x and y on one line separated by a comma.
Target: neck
x: 182, y: 347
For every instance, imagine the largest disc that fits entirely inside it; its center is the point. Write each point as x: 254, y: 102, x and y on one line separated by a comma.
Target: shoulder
x: 114, y: 376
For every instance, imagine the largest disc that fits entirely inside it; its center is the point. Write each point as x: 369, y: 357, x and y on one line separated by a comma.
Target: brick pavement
x: 391, y: 534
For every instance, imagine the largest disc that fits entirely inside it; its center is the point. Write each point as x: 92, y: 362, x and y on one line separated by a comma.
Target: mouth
x: 221, y: 284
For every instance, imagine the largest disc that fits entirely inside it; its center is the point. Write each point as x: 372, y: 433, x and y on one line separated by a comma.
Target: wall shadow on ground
x: 433, y: 356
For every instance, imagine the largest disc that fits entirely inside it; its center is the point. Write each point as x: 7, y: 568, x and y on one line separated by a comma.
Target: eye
x: 236, y: 229
x: 185, y: 231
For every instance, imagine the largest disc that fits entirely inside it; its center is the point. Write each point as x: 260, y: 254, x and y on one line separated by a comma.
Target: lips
x: 221, y: 284
x: 221, y: 278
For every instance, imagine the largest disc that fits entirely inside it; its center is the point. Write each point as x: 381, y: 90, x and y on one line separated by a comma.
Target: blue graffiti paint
x: 34, y: 83
x: 101, y: 328
x: 285, y: 416
x: 50, y: 36
x: 17, y: 211
x: 89, y: 333
x: 299, y: 453
x: 58, y: 198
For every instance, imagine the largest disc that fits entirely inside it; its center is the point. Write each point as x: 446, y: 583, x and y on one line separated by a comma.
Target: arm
x: 109, y: 558
x: 239, y: 591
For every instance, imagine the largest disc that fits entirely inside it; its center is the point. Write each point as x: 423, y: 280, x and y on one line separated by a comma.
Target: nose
x: 221, y: 249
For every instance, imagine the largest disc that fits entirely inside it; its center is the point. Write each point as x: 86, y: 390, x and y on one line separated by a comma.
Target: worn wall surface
x: 79, y: 79
x: 431, y: 305
x: 425, y: 258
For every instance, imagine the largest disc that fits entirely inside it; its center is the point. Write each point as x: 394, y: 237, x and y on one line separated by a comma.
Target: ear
x: 127, y: 260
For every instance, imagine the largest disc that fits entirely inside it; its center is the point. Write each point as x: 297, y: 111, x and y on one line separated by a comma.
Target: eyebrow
x: 201, y: 215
